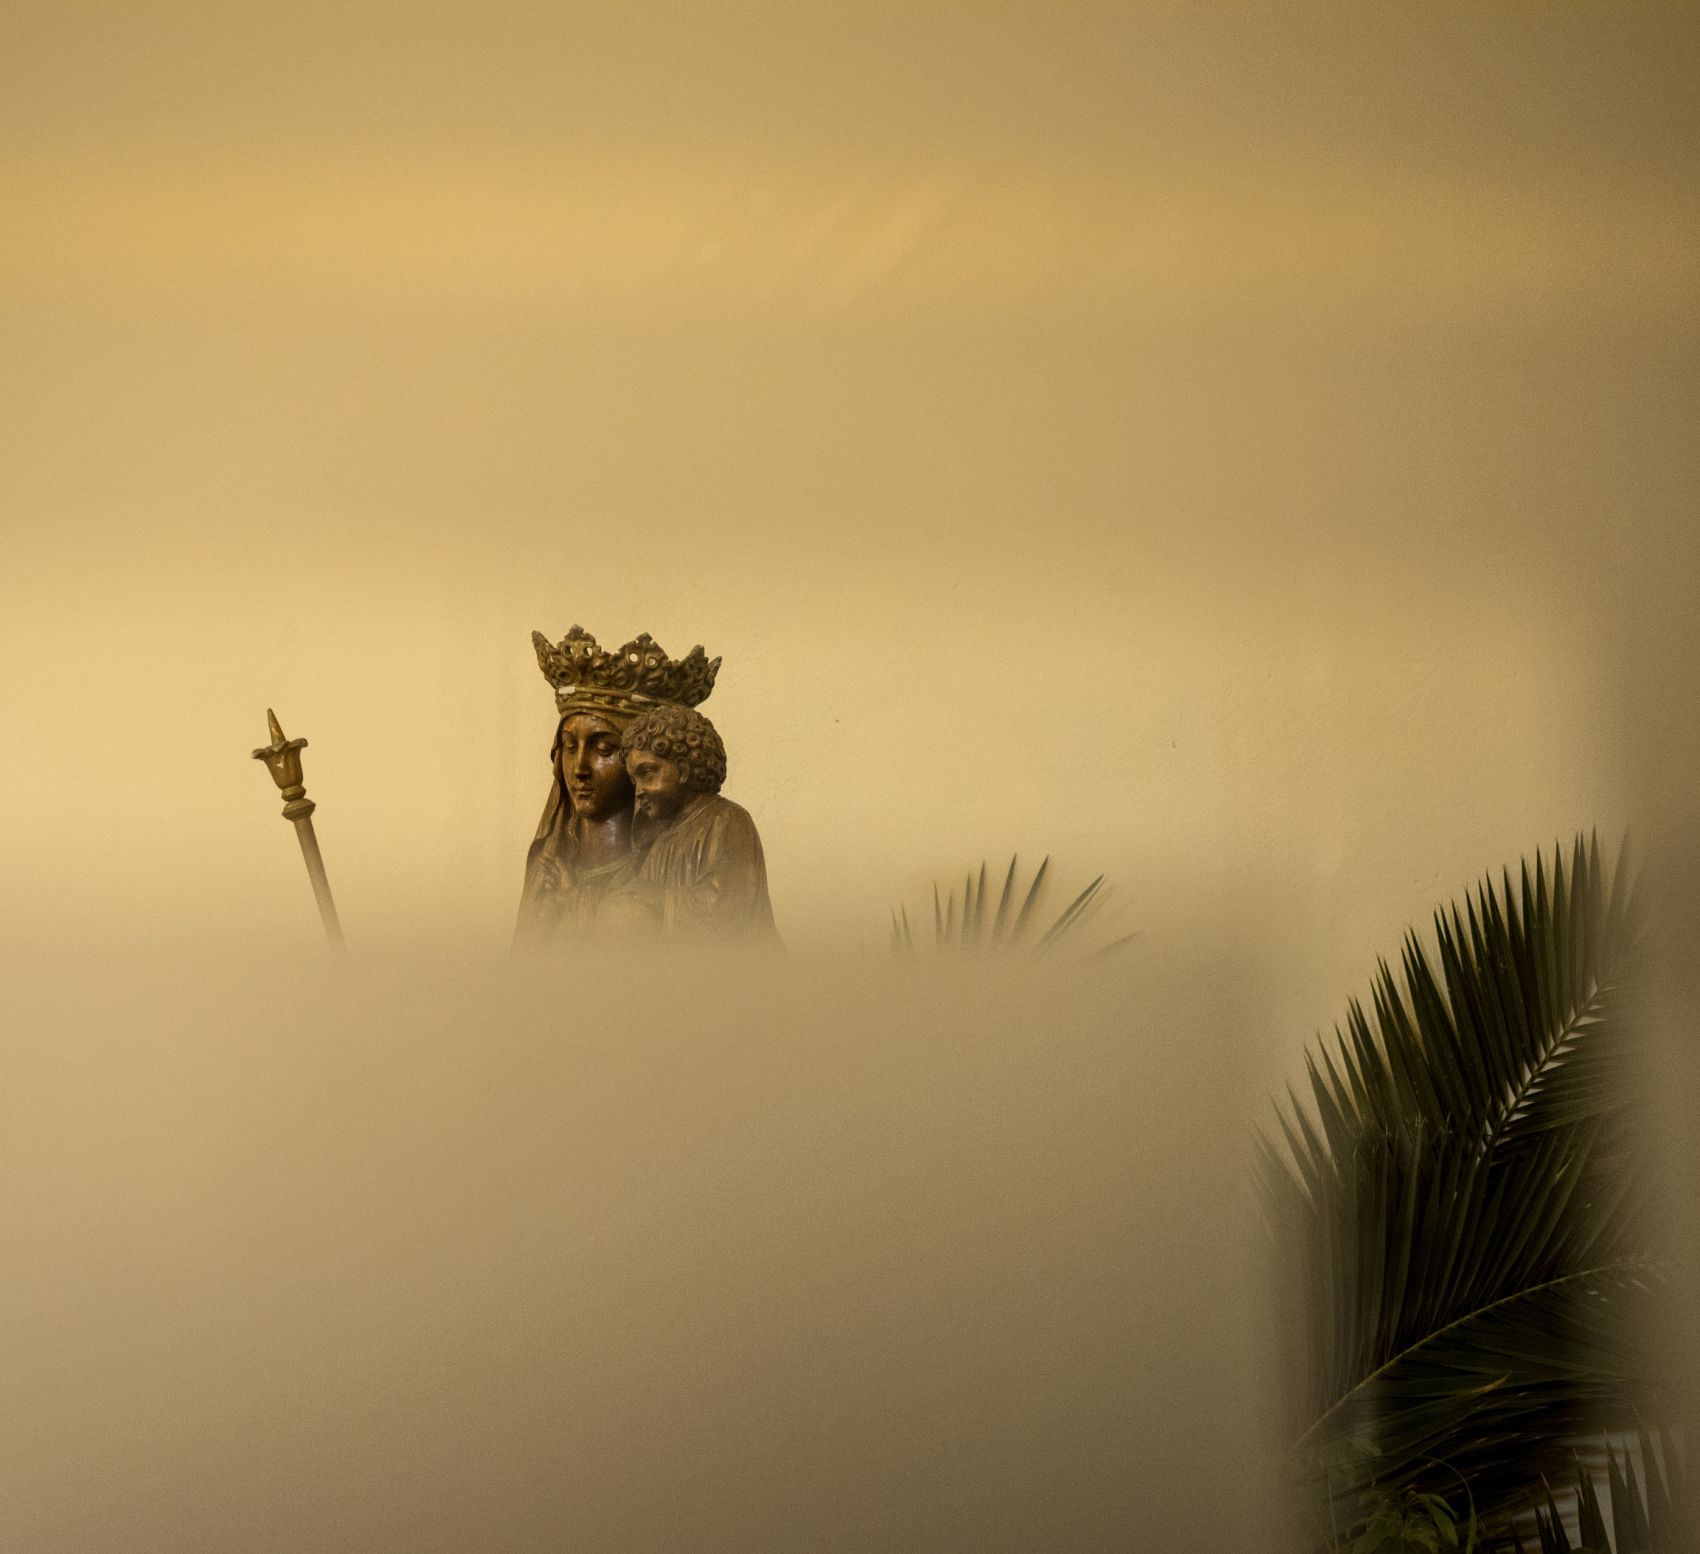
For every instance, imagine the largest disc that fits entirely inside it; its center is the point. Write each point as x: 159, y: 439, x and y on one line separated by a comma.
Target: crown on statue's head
x: 621, y: 683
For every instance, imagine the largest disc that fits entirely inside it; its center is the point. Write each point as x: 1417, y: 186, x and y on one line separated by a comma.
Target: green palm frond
x: 1460, y: 1204
x: 1013, y: 927
x: 1649, y: 1506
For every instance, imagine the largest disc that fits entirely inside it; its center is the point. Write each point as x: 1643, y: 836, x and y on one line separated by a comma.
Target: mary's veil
x: 537, y: 901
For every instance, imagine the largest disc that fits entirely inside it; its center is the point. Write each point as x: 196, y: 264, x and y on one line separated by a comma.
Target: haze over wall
x: 1185, y: 440
x: 1247, y: 452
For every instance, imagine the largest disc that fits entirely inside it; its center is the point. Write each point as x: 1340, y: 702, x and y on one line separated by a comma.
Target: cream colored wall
x: 1245, y: 450
x: 1179, y: 440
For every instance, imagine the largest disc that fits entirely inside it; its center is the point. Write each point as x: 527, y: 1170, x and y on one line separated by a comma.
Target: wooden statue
x: 687, y: 866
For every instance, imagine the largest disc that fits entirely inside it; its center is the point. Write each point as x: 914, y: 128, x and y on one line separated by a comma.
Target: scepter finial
x: 283, y: 760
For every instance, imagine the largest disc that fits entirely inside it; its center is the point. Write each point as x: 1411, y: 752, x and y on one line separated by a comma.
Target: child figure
x: 699, y: 853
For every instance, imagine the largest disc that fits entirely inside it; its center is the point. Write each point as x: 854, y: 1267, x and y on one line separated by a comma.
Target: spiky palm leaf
x: 1649, y: 1508
x: 1012, y: 927
x: 1461, y: 1204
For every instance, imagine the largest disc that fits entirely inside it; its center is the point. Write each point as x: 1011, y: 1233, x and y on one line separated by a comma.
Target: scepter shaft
x: 283, y: 760
x: 321, y: 886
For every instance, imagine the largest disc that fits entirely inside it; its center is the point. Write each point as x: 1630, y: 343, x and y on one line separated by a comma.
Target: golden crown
x: 589, y: 678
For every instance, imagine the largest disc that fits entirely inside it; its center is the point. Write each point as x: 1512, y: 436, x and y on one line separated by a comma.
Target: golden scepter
x: 283, y: 760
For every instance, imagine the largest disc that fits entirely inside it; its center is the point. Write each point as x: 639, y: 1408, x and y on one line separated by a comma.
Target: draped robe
x: 705, y: 875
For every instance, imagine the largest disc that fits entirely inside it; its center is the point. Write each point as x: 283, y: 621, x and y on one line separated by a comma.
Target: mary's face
x: 592, y: 769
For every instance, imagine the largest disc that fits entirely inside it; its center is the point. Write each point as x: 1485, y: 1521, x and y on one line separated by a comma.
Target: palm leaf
x: 1026, y: 912
x: 1470, y: 1256
x: 1003, y: 902
x: 1070, y: 914
x: 1012, y: 927
x: 1648, y: 1507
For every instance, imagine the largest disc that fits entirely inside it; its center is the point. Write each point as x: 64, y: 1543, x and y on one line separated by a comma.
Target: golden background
x: 1245, y: 450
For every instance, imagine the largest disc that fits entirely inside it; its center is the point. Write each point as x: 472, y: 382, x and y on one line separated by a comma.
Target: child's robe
x: 708, y: 876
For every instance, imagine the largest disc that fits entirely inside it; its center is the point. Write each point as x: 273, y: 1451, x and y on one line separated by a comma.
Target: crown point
x: 277, y: 731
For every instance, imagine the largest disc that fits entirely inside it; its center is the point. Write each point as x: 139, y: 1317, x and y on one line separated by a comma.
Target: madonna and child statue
x: 637, y: 846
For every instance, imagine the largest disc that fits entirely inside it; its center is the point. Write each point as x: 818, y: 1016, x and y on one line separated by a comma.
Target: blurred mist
x: 1246, y: 451
x: 405, y: 1255
x: 1657, y: 732
x: 1257, y: 402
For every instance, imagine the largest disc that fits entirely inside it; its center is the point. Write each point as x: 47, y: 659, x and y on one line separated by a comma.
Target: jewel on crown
x: 638, y: 674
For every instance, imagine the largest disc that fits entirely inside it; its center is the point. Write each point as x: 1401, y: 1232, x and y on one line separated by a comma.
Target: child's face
x: 660, y: 784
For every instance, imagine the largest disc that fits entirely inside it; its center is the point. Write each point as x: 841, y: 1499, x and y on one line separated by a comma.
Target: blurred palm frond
x: 1462, y: 1207
x: 960, y: 925
x: 1650, y: 1508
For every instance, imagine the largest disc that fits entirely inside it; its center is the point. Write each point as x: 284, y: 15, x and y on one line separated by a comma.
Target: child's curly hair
x: 683, y: 736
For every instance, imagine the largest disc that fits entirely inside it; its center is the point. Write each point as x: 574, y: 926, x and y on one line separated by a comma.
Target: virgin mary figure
x: 579, y: 867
